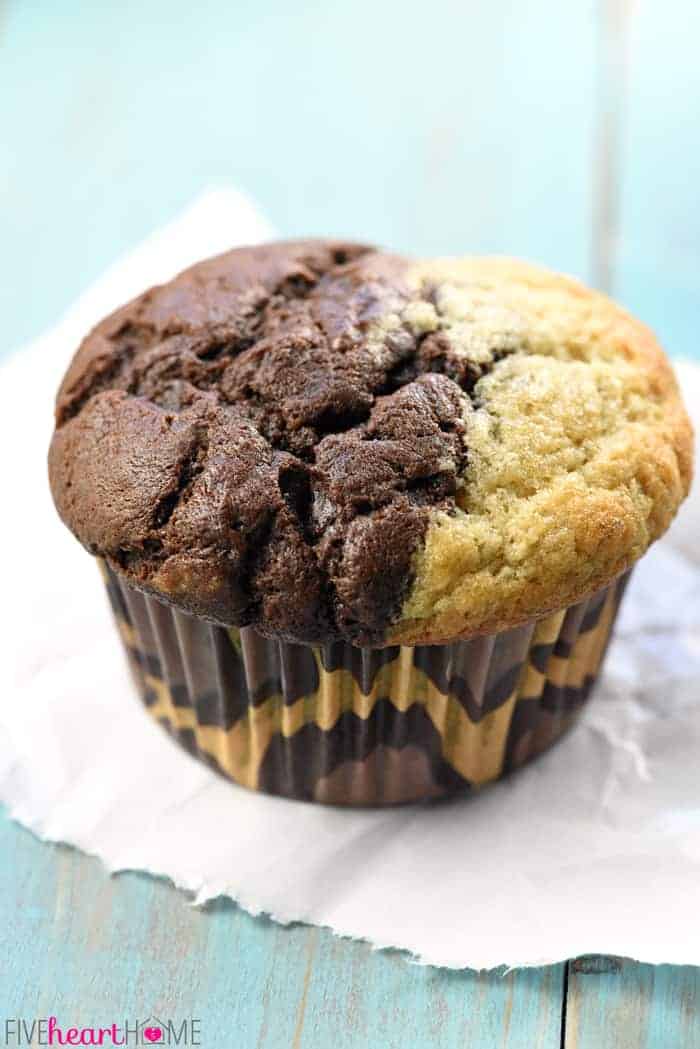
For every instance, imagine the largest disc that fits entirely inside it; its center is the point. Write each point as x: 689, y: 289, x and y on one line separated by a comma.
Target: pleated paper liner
x: 347, y: 725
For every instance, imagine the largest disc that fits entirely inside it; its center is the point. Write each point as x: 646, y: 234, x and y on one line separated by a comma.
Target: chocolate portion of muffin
x: 261, y: 440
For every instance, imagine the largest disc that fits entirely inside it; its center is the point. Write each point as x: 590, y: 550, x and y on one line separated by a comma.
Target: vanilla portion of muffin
x: 579, y: 449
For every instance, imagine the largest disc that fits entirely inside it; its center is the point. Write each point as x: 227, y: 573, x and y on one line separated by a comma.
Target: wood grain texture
x: 619, y: 1004
x: 92, y: 949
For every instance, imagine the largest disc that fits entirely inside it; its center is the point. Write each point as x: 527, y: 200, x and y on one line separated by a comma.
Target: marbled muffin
x: 341, y: 450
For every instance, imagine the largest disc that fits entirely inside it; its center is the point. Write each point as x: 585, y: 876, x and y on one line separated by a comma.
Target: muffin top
x: 326, y: 441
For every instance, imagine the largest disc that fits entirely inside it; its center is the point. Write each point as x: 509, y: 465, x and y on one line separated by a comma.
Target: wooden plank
x: 462, y: 127
x: 657, y: 266
x: 615, y: 1003
x: 92, y: 949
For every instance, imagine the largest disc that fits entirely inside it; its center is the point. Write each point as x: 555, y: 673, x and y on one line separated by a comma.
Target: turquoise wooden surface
x: 91, y: 949
x: 564, y: 132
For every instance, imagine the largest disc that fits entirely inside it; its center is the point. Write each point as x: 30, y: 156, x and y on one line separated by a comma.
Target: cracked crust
x: 326, y: 441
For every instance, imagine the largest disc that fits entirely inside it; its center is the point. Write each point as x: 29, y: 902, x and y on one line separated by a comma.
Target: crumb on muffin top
x: 327, y: 442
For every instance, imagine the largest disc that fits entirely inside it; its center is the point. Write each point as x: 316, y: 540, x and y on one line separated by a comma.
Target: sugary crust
x: 580, y: 455
x: 325, y: 441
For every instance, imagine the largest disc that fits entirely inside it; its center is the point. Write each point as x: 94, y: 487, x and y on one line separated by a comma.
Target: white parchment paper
x: 594, y: 848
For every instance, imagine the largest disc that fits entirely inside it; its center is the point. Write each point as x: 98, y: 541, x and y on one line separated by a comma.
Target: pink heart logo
x: 154, y: 1034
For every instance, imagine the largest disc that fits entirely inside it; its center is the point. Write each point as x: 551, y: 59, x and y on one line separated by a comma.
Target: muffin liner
x: 346, y: 725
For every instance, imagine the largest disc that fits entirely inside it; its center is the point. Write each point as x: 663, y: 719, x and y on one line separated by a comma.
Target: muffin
x: 365, y: 522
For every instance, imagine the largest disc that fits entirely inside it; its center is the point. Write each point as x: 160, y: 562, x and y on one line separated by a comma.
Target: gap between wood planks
x: 611, y: 89
x: 564, y: 1001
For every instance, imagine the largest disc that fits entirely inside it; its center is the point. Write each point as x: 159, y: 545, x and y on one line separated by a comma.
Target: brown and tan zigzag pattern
x: 347, y: 725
